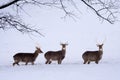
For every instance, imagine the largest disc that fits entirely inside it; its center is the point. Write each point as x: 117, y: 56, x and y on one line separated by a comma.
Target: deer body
x: 56, y: 55
x: 96, y: 56
x: 26, y: 57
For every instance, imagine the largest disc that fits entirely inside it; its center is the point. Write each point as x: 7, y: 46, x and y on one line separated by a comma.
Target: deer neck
x: 101, y: 50
x: 35, y: 54
x: 100, y: 53
x: 63, y: 51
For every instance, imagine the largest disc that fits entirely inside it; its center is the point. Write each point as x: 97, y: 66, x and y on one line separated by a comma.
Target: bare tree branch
x: 106, y: 10
x: 8, y: 4
x: 9, y: 21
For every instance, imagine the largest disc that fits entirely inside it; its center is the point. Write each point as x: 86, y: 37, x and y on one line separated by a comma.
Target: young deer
x: 56, y: 55
x: 96, y: 56
x: 26, y: 57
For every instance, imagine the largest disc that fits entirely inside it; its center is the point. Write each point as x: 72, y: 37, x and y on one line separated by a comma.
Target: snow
x: 65, y: 71
x: 81, y: 36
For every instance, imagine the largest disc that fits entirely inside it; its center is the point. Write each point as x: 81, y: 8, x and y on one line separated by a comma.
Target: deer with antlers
x: 56, y: 55
x: 89, y: 56
x: 96, y: 56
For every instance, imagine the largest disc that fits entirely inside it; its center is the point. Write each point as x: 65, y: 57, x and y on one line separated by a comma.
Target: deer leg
x: 32, y: 63
x: 16, y: 62
x: 85, y: 61
x: 96, y: 62
x: 88, y: 62
x: 26, y: 63
x: 59, y: 61
x: 47, y: 62
x: 50, y: 62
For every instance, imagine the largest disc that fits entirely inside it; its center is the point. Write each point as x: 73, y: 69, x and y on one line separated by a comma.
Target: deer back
x: 27, y: 57
x: 54, y: 55
x: 24, y: 57
x: 92, y: 55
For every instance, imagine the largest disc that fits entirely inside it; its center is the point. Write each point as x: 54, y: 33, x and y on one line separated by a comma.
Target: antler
x: 64, y: 43
x: 37, y: 45
x: 102, y: 41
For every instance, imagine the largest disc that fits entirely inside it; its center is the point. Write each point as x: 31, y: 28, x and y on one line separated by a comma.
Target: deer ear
x: 97, y: 45
x: 61, y: 43
x: 66, y: 43
x: 37, y: 47
x: 102, y: 44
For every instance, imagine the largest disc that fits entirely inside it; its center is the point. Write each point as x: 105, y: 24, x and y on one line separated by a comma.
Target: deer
x: 56, y: 55
x: 26, y: 57
x: 96, y: 56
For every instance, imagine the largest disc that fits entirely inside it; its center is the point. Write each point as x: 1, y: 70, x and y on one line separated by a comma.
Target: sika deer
x: 26, y: 57
x: 96, y: 56
x: 56, y: 55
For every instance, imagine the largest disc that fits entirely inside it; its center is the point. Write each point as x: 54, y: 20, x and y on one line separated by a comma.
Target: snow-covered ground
x: 106, y: 70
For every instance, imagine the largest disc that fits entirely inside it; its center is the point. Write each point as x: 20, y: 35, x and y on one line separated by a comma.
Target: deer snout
x: 41, y: 52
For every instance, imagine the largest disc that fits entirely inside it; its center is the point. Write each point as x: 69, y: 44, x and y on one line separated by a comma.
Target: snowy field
x: 67, y: 71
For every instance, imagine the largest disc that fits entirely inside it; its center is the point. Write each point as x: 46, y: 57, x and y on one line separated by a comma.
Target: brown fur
x: 96, y: 56
x: 26, y: 57
x: 56, y: 55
